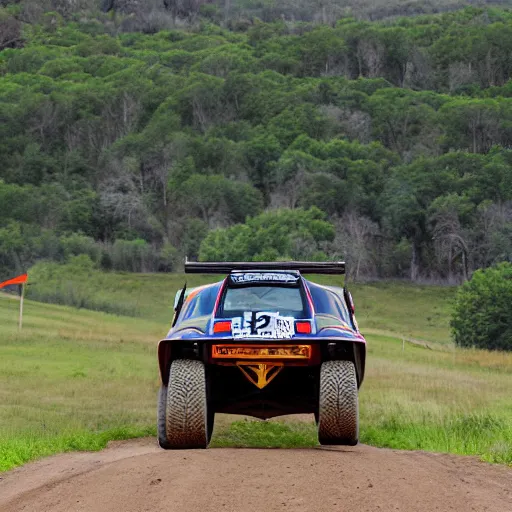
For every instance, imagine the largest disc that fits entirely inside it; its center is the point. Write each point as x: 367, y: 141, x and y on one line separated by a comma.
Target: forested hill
x: 383, y: 142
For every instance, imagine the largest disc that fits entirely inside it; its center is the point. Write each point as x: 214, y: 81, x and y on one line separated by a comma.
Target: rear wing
x: 304, y: 267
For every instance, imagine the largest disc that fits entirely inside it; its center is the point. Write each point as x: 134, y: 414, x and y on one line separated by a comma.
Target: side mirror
x: 178, y: 305
x: 349, y: 301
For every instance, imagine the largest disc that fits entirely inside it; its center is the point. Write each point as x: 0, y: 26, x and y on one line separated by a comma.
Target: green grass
x: 266, y: 434
x: 75, y: 379
x: 485, y: 435
x: 17, y: 450
x: 454, y: 401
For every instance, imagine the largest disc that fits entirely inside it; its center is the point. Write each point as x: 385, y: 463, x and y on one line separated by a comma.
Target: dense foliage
x: 482, y: 316
x: 278, y: 235
x: 133, y: 147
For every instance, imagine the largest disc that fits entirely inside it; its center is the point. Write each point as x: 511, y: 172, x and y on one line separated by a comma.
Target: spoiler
x: 304, y: 267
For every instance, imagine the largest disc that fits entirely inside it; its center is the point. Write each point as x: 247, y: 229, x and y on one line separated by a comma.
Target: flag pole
x: 20, y: 321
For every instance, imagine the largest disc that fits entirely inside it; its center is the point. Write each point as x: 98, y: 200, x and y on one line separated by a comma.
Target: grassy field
x: 415, y: 312
x: 74, y: 378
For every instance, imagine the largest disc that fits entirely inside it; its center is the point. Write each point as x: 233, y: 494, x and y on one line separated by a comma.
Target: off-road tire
x: 186, y: 415
x: 338, y: 411
x: 161, y: 418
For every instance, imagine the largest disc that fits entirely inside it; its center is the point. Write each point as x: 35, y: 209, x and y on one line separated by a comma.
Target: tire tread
x: 187, y: 405
x: 338, y: 415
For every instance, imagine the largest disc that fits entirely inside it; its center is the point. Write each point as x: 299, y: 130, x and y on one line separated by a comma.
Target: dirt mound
x: 136, y: 476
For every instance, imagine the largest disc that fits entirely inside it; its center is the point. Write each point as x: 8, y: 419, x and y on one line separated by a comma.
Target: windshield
x: 273, y: 299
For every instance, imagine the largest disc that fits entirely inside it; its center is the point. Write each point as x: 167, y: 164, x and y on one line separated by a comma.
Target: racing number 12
x: 259, y: 321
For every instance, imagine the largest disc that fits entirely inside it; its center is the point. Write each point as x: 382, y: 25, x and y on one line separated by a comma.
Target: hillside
x: 386, y: 142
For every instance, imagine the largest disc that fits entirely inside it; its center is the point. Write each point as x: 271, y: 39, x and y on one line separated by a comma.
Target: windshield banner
x: 263, y: 277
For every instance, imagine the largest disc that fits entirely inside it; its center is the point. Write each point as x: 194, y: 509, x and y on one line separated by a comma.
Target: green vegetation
x: 267, y: 434
x: 137, y: 143
x: 74, y: 379
x: 271, y: 236
x: 482, y: 312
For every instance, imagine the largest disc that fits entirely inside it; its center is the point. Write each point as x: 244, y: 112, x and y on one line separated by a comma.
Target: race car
x: 263, y: 342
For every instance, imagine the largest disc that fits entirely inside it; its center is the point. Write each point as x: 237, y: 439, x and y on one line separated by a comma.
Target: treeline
x: 151, y: 16
x: 136, y: 149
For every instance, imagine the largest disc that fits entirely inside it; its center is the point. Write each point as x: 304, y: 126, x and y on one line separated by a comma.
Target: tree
x: 472, y: 124
x: 482, y: 310
x: 451, y: 240
x: 218, y: 201
x: 356, y: 240
x: 261, y: 152
x: 274, y: 235
x: 404, y: 120
x: 492, y: 234
x: 10, y: 31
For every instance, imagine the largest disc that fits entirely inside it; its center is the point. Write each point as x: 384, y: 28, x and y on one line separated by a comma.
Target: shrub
x: 76, y: 244
x: 132, y: 255
x: 482, y: 316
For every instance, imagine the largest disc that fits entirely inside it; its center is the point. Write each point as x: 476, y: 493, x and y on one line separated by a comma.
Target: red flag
x: 17, y: 280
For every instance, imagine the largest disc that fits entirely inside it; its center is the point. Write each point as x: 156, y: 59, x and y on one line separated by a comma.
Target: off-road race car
x: 262, y: 342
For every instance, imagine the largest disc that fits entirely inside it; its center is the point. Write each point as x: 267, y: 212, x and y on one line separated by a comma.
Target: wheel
x: 338, y: 416
x: 160, y: 420
x: 186, y: 413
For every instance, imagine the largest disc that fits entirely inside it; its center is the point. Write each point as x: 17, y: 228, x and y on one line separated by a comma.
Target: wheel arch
x: 164, y: 360
x: 344, y: 350
x: 171, y: 349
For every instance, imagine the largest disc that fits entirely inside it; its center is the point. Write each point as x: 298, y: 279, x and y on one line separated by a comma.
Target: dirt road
x: 135, y: 476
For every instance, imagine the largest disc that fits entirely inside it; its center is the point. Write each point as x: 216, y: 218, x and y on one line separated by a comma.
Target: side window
x: 342, y: 309
x: 328, y: 303
x: 188, y: 311
x: 201, y: 304
x: 323, y: 300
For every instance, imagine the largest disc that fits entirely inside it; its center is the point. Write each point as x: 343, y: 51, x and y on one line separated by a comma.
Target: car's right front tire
x: 338, y: 411
x: 161, y: 418
x: 183, y: 407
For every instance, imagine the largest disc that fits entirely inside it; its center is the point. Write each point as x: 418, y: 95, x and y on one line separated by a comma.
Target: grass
x: 75, y: 379
x: 457, y: 402
x: 266, y: 434
x: 17, y: 450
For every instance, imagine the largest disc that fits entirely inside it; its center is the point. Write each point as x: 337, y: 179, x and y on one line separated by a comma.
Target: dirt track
x: 136, y: 476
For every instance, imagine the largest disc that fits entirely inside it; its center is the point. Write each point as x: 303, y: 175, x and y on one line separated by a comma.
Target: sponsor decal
x: 258, y: 352
x: 263, y: 325
x: 263, y: 277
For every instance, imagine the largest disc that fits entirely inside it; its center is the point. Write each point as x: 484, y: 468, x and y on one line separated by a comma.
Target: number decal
x: 263, y: 325
x: 262, y: 321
